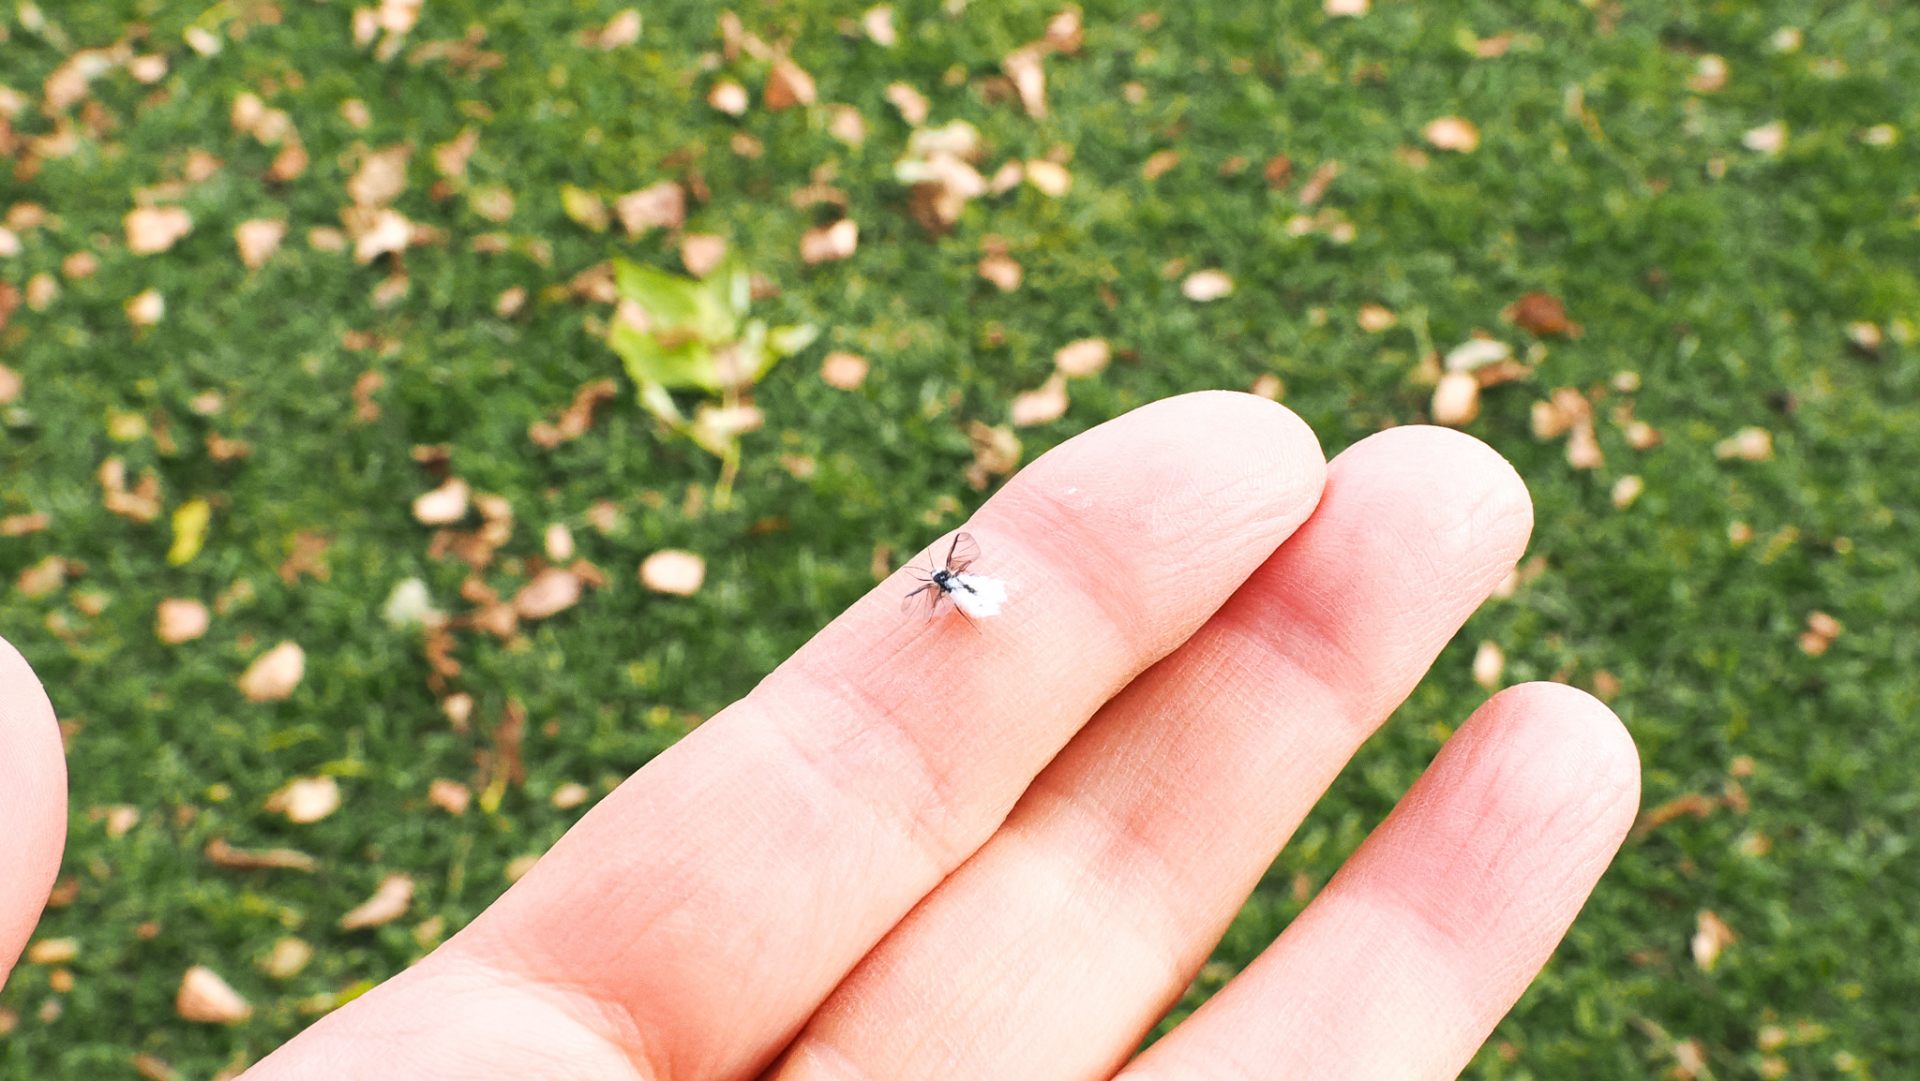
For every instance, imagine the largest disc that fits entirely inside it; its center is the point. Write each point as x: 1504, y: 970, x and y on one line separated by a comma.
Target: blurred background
x: 417, y: 415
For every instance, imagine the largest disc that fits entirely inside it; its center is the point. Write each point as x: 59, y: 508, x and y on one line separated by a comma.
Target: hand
x: 920, y: 850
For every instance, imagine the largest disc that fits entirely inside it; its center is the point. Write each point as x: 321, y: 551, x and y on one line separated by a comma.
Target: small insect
x: 974, y: 595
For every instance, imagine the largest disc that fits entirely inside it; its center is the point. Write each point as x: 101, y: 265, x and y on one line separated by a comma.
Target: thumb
x: 33, y: 803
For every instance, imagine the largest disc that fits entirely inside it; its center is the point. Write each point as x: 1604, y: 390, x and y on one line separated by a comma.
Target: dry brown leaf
x: 20, y: 525
x: 288, y: 956
x: 621, y: 31
x: 845, y: 123
x: 1002, y: 270
x: 146, y: 308
x: 443, y: 505
x: 1456, y: 399
x: 1029, y: 77
x: 1769, y: 139
x: 305, y: 800
x: 1453, y: 133
x: 663, y: 205
x: 180, y: 619
x: 1583, y: 446
x: 1709, y: 75
x: 1489, y: 661
x: 1204, y: 286
x: 1693, y: 804
x: 1711, y: 935
x: 1350, y: 9
x: 558, y: 542
x: 274, y: 674
x: 844, y: 371
x: 996, y: 452
x: 1375, y: 319
x: 153, y: 229
x: 10, y: 384
x: 1159, y: 164
x: 577, y: 418
x: 379, y: 233
x: 1750, y: 444
x: 53, y: 951
x: 1042, y: 405
x: 382, y: 176
x: 788, y: 85
x: 1088, y: 356
x: 830, y: 243
x: 673, y: 571
x: 450, y: 796
x: 221, y: 854
x: 1317, y: 184
x: 258, y: 240
x: 389, y: 902
x: 42, y: 578
x: 140, y: 503
x: 1050, y: 178
x: 205, y: 998
x: 1543, y: 315
x: 702, y: 253
x: 1626, y: 490
x: 878, y: 24
x: 551, y: 592
x: 911, y: 103
x: 729, y: 97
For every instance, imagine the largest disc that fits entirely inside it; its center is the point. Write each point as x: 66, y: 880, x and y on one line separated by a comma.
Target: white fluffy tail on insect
x: 977, y: 596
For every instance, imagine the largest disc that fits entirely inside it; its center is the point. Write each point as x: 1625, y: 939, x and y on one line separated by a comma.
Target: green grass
x: 1723, y: 276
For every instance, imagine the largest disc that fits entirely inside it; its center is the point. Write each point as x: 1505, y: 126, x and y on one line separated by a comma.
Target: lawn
x: 1721, y: 431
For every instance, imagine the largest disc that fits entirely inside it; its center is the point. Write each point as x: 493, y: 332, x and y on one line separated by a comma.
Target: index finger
x: 714, y: 899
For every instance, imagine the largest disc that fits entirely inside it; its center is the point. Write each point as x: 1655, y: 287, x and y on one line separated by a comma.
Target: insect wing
x: 913, y: 600
x: 964, y: 551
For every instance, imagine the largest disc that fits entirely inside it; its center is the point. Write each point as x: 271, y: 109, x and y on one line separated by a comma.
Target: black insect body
x: 943, y: 582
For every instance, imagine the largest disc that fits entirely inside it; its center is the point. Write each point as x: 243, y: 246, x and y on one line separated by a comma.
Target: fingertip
x: 1483, y: 498
x: 1574, y: 751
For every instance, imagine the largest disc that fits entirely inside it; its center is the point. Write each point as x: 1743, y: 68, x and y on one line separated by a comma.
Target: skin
x: 842, y: 878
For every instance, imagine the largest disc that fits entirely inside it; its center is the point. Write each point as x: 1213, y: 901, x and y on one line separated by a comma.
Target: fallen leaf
x: 381, y: 177
x: 1709, y: 75
x: 1542, y: 315
x: 450, y: 796
x: 584, y: 208
x: 146, y: 308
x: 443, y: 505
x: 1767, y: 139
x: 1489, y: 661
x: 551, y: 592
x: 1476, y: 353
x: 621, y: 30
x: 911, y: 103
x: 1711, y: 935
x: 1029, y: 78
x: 1002, y: 270
x: 1456, y: 399
x: 996, y: 453
x: 1693, y: 803
x: 1375, y: 319
x: 180, y: 619
x: 1088, y: 356
x: 381, y: 233
x: 1042, y: 405
x: 728, y: 97
x: 190, y: 521
x: 1626, y: 490
x: 878, y: 24
x: 274, y: 674
x: 1583, y: 446
x: 288, y: 956
x: 1350, y: 9
x: 1064, y: 34
x: 10, y: 384
x: 1050, y: 177
x: 788, y: 85
x: 830, y: 243
x: 221, y: 854
x: 702, y: 253
x: 207, y: 999
x: 389, y: 902
x: 410, y: 605
x: 1452, y: 133
x: 576, y: 418
x: 258, y: 240
x: 140, y: 503
x: 673, y: 571
x: 153, y: 229
x: 1204, y: 286
x: 305, y: 800
x: 1750, y: 444
x: 1159, y: 164
x: 661, y: 206
x: 845, y: 123
x: 844, y: 371
x: 20, y: 525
